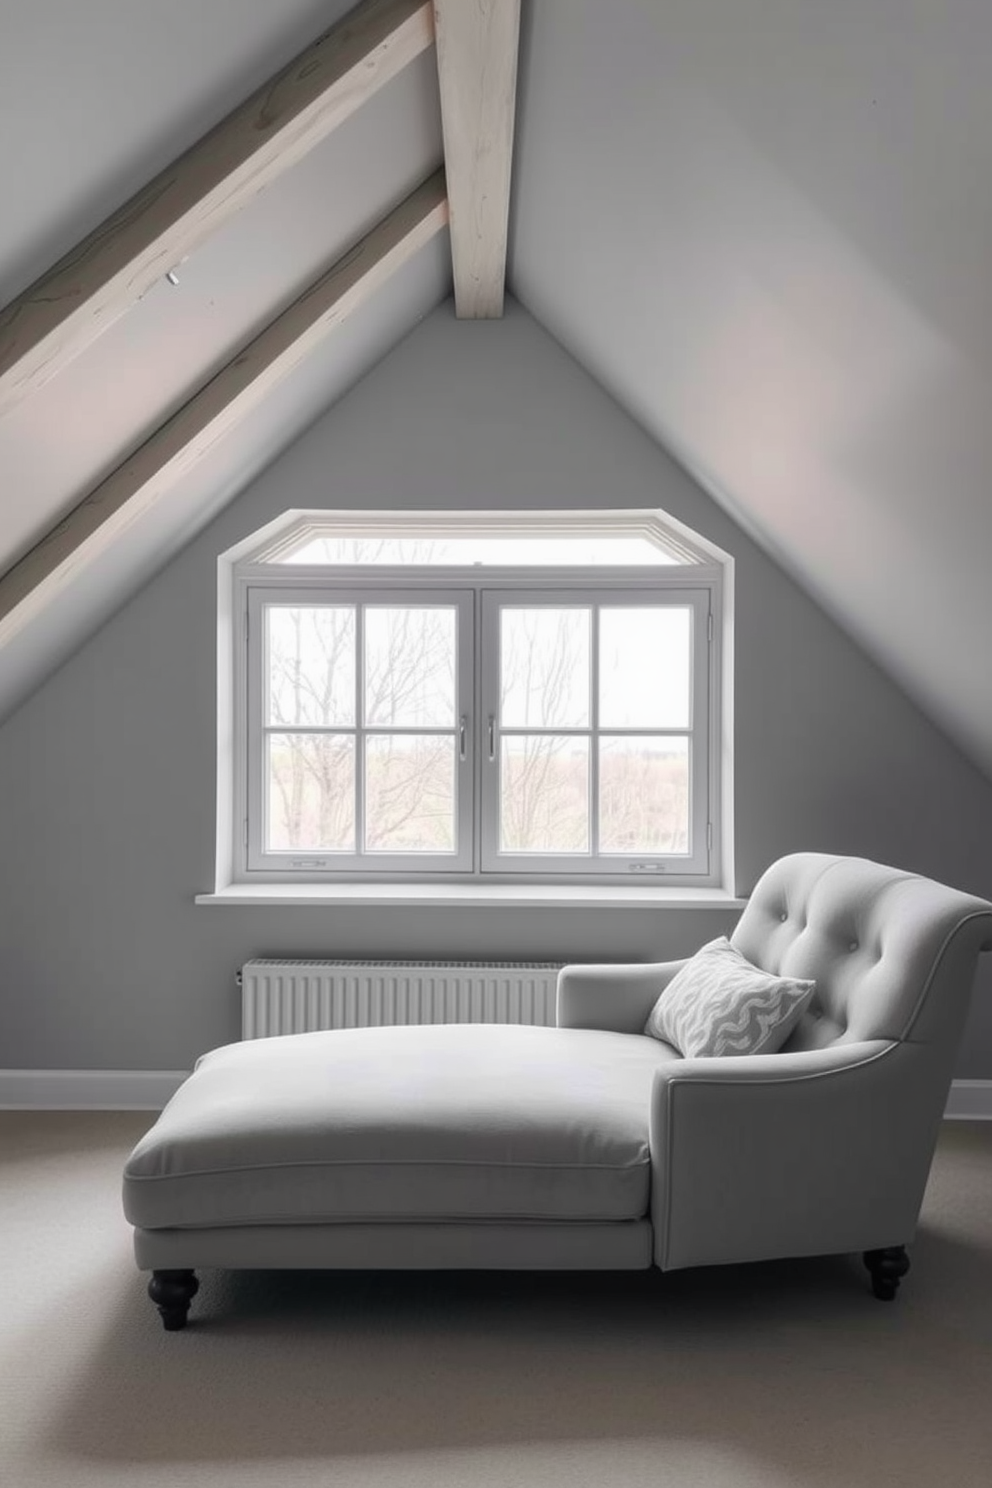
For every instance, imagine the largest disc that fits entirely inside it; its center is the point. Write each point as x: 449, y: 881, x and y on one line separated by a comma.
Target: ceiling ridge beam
x: 219, y: 406
x: 94, y: 284
x: 477, y: 46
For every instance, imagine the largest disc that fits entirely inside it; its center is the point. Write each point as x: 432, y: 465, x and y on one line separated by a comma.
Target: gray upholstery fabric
x: 486, y: 1145
x: 437, y: 1122
x: 719, y: 1004
x: 872, y: 938
x: 790, y: 1154
x: 569, y: 1245
x: 618, y: 998
x: 825, y: 1146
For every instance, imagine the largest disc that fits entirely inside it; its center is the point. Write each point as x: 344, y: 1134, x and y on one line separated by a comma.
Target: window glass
x: 544, y: 794
x: 311, y: 665
x: 409, y: 793
x: 544, y: 551
x: 544, y: 667
x: 645, y: 660
x: 310, y: 784
x: 643, y: 794
x: 409, y: 666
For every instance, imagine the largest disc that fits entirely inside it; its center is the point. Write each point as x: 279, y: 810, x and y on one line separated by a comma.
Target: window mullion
x: 360, y: 736
x: 594, y: 739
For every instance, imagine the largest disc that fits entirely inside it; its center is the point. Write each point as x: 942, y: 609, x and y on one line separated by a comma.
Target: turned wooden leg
x: 172, y: 1292
x: 887, y: 1268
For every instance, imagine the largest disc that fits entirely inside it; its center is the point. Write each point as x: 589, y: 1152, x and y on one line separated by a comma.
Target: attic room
x: 550, y: 374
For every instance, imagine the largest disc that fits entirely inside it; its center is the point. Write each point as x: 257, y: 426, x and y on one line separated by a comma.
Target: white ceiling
x: 98, y: 108
x: 144, y: 365
x: 764, y: 225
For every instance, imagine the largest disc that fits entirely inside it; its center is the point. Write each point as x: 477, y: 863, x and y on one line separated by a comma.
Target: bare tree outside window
x: 644, y: 795
x: 410, y: 683
x: 408, y: 679
x: 545, y: 684
x: 311, y: 670
x: 537, y: 549
x: 410, y: 793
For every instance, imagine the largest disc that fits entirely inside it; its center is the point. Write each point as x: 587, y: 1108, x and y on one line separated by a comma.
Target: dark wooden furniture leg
x: 887, y: 1268
x: 172, y: 1292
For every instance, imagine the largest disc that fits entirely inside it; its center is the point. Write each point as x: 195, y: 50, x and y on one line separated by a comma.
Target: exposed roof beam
x: 66, y: 309
x: 224, y: 402
x: 477, y: 46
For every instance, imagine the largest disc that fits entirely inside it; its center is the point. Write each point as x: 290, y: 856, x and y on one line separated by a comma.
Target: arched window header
x: 479, y: 539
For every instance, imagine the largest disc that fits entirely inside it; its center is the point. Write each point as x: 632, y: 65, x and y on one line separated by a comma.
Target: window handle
x: 492, y: 737
x: 463, y: 737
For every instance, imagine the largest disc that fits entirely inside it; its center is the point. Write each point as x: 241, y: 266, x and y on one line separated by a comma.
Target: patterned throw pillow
x: 720, y: 1004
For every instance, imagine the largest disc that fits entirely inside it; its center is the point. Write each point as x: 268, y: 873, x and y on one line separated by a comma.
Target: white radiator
x: 301, y: 996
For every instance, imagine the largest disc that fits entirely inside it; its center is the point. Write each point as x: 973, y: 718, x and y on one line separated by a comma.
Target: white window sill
x: 465, y: 896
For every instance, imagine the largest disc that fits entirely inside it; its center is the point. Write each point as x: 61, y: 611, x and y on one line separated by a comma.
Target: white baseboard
x: 970, y: 1100
x: 88, y: 1090
x: 148, y: 1090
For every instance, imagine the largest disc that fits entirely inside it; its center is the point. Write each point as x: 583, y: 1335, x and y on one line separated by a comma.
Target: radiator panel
x: 304, y: 996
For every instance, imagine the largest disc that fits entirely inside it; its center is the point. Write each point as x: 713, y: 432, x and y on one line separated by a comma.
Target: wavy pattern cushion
x: 720, y: 1004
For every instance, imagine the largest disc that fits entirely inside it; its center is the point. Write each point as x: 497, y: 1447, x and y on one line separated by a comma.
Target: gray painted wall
x: 107, y: 773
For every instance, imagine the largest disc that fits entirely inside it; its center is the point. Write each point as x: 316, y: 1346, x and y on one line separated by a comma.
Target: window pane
x: 410, y: 667
x: 311, y: 791
x: 544, y: 795
x: 311, y: 663
x: 644, y: 795
x: 546, y: 549
x: 544, y: 668
x: 410, y: 793
x: 644, y: 659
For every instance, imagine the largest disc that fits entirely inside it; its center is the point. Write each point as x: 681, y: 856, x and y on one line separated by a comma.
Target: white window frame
x: 597, y: 593
x: 313, y: 588
x: 698, y: 585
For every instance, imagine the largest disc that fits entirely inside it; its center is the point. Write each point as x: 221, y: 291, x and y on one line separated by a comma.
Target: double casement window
x: 462, y: 719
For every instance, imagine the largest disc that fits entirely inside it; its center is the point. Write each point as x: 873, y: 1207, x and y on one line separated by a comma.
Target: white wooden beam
x: 224, y: 402
x: 477, y: 43
x: 100, y: 279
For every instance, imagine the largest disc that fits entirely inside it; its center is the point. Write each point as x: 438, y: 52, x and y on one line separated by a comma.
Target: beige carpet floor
x: 773, y: 1375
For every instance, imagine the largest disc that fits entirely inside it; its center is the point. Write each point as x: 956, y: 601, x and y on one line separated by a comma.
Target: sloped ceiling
x: 99, y: 98
x: 764, y: 225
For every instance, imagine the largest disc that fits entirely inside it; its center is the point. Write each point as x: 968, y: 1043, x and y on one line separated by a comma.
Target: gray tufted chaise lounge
x: 588, y: 1145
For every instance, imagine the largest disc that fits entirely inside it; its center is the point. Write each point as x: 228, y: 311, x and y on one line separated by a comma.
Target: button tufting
x: 853, y: 946
x: 784, y: 916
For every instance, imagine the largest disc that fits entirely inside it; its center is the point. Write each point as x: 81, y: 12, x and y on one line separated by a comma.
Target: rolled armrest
x: 805, y: 1153
x: 614, y: 998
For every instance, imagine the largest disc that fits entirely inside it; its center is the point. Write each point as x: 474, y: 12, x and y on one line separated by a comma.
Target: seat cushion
x: 455, y: 1121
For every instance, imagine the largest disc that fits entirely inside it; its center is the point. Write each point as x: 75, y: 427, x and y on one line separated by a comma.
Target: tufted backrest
x: 893, y: 955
